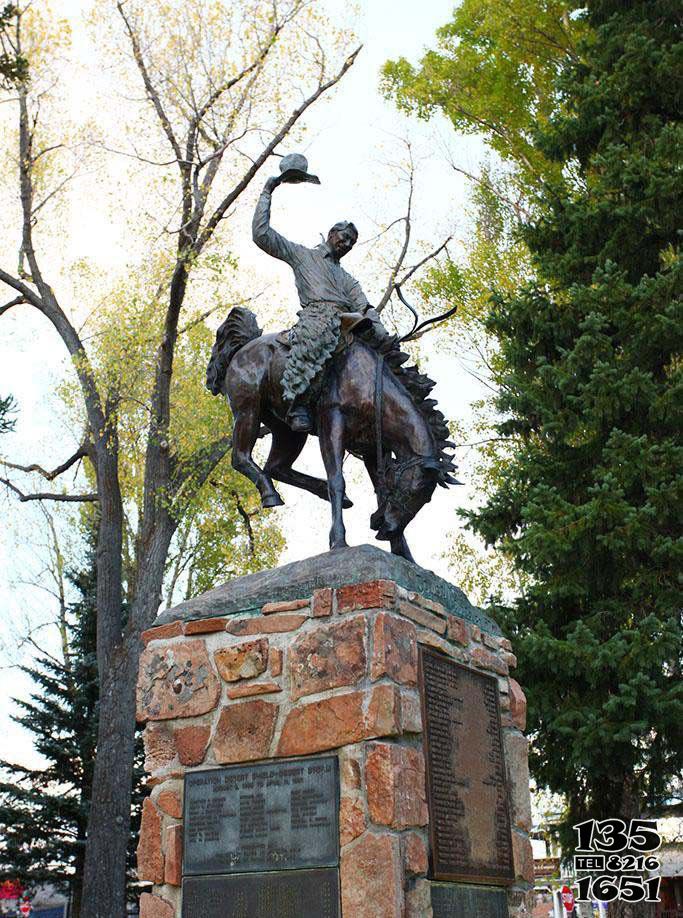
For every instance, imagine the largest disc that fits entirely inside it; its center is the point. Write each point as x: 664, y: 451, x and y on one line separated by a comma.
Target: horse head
x: 409, y: 485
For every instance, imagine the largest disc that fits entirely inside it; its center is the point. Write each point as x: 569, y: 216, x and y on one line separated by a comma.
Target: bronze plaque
x: 267, y: 816
x: 469, y: 821
x: 450, y: 900
x: 286, y: 894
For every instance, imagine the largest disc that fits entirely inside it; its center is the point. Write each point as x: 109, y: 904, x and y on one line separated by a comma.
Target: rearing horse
x: 368, y: 404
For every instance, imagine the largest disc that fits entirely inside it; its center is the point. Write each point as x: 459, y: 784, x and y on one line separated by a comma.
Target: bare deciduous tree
x: 210, y: 102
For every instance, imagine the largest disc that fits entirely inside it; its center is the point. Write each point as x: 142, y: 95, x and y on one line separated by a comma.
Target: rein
x: 401, y: 467
x: 379, y: 399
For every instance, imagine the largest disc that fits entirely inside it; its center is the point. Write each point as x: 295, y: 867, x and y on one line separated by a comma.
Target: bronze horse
x: 367, y: 403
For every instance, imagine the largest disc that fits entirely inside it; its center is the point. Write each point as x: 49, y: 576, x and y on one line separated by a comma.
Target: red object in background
x: 567, y: 899
x: 25, y: 908
x: 11, y: 889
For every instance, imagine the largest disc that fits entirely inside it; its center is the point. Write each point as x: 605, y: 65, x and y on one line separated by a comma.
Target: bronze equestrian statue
x: 337, y: 374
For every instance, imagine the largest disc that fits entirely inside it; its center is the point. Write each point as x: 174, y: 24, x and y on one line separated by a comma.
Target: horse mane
x: 239, y: 329
x: 418, y: 385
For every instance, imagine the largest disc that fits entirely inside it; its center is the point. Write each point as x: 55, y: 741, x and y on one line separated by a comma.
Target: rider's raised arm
x: 263, y: 234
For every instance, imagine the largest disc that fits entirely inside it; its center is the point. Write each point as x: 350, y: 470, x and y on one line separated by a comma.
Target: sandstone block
x: 509, y: 659
x: 422, y: 617
x: 275, y: 661
x: 244, y: 661
x: 395, y: 782
x: 245, y: 731
x: 394, y: 649
x: 266, y: 624
x: 322, y: 603
x: 458, y: 630
x: 371, y: 878
x: 352, y: 821
x: 329, y: 657
x: 173, y: 870
x: 490, y: 641
x: 475, y: 631
x: 487, y: 660
x: 349, y: 771
x: 206, y: 626
x: 517, y: 761
x: 324, y: 724
x: 160, y: 748
x: 523, y: 857
x: 161, y: 632
x: 517, y: 705
x: 505, y: 644
x: 411, y: 713
x: 290, y: 605
x: 191, y: 743
x: 419, y: 900
x: 150, y: 857
x: 384, y: 712
x: 428, y: 604
x: 415, y: 855
x: 375, y: 594
x: 155, y: 907
x: 253, y: 688
x: 169, y: 802
x: 176, y: 680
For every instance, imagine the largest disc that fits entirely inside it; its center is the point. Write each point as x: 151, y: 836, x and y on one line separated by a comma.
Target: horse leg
x: 399, y: 546
x: 332, y: 449
x: 244, y: 435
x: 284, y: 451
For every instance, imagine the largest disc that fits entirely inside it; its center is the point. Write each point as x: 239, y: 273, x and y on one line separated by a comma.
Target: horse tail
x: 238, y: 329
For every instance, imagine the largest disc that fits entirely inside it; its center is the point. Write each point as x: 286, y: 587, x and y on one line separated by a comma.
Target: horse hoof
x: 273, y: 500
x: 339, y: 544
x: 346, y: 503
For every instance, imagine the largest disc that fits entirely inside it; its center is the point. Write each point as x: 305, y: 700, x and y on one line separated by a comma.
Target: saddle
x: 351, y: 322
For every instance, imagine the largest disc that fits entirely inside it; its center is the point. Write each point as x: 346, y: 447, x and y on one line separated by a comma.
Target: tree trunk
x: 104, y: 881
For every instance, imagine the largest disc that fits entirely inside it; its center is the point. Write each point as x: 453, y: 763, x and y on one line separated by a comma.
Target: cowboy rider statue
x: 326, y: 292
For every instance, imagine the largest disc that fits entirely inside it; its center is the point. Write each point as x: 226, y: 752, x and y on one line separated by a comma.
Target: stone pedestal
x: 319, y: 657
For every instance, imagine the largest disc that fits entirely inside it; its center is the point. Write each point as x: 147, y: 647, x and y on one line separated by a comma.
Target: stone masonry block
x: 162, y: 632
x: 421, y: 617
x: 243, y: 661
x: 253, y: 688
x: 394, y: 649
x: 191, y: 743
x: 150, y: 857
x: 415, y: 855
x: 160, y: 748
x: 325, y: 724
x: 176, y: 680
x: 523, y: 857
x: 517, y: 705
x: 517, y: 761
x: 290, y: 605
x: 384, y: 712
x: 169, y: 802
x: 321, y: 606
x: 206, y: 625
x: 395, y: 782
x: 371, y: 877
x: 266, y: 624
x: 375, y: 594
x: 487, y: 660
x: 244, y: 732
x: 329, y: 657
x: 352, y: 822
x: 155, y: 907
x: 173, y: 869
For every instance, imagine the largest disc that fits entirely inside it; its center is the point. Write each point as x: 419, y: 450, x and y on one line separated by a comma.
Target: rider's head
x: 342, y: 238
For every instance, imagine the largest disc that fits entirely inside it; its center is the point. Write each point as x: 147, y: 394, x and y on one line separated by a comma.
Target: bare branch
x: 73, y: 498
x: 407, y: 223
x: 15, y: 302
x: 227, y: 202
x: 409, y: 273
x: 80, y: 453
x: 152, y: 93
x: 246, y: 519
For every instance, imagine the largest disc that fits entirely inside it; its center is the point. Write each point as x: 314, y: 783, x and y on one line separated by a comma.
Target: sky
x: 350, y: 142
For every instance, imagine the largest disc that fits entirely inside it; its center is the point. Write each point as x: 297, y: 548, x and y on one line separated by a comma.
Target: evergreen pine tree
x: 591, y: 391
x: 44, y: 811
